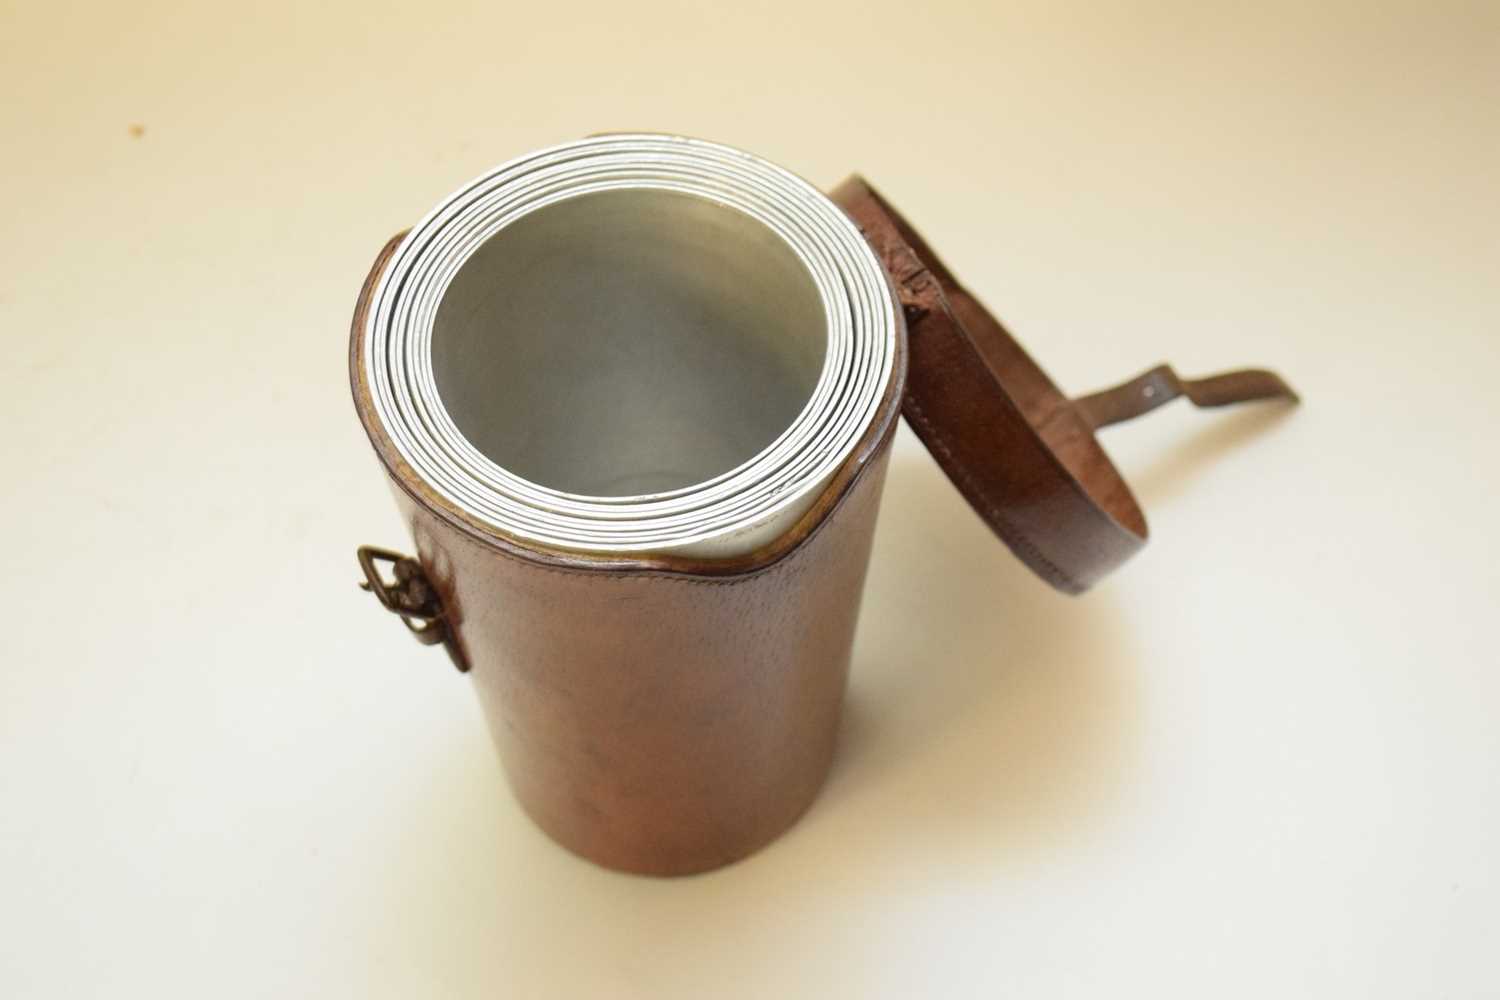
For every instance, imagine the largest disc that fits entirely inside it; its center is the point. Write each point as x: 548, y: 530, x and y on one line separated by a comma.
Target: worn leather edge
x: 928, y: 292
x: 707, y: 571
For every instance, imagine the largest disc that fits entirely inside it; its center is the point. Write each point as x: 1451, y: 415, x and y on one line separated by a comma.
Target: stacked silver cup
x: 631, y: 343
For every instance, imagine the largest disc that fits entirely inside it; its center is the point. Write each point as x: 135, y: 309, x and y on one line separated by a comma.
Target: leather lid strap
x: 1161, y: 384
x: 1021, y: 452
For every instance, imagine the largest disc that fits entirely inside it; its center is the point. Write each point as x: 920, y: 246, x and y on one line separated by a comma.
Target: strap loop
x: 1161, y: 384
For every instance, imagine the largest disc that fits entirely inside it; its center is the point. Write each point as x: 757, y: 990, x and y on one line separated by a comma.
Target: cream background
x: 1262, y: 760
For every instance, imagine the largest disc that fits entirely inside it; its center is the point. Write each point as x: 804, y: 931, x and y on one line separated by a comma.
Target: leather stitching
x: 1008, y: 532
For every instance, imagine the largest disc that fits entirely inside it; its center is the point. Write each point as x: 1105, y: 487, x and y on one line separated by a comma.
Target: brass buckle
x: 408, y: 595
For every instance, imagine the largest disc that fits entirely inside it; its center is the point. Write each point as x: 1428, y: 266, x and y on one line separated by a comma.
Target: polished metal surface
x: 628, y: 342
x: 631, y: 343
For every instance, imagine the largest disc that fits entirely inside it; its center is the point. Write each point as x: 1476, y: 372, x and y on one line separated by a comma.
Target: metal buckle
x: 410, y: 596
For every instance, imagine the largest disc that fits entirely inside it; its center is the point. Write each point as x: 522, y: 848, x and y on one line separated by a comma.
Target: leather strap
x: 1161, y: 384
x: 1022, y: 453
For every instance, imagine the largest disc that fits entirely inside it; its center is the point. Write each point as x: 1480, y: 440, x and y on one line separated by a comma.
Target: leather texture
x: 1161, y: 384
x: 668, y: 715
x: 656, y: 715
x: 1023, y: 454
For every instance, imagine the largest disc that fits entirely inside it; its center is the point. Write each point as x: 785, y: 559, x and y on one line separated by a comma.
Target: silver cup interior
x: 628, y: 342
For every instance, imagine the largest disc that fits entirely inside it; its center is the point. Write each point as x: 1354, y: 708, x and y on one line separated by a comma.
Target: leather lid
x: 1023, y: 454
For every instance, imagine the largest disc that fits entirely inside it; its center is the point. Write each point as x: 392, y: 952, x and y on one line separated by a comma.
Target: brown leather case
x: 659, y: 715
x: 668, y: 715
x: 1023, y: 454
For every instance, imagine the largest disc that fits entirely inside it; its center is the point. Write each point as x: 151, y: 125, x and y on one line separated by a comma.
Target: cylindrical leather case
x: 663, y: 715
x: 669, y: 710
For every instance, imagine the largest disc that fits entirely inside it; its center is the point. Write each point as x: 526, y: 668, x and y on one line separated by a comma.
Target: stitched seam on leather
x: 1006, y: 528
